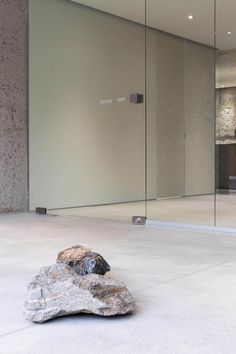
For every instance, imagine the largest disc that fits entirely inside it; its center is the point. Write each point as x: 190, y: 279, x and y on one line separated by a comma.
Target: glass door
x: 87, y: 108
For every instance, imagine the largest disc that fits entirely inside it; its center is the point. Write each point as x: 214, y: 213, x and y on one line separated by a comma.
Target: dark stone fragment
x: 92, y: 263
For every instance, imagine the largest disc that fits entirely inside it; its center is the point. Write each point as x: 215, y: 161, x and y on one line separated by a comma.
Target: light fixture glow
x: 222, y: 86
x: 229, y: 32
x: 190, y: 17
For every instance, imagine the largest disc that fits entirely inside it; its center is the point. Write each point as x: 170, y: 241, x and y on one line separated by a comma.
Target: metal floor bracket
x: 139, y: 220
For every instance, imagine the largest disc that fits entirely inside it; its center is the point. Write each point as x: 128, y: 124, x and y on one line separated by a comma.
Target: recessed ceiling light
x: 190, y: 17
x: 229, y: 32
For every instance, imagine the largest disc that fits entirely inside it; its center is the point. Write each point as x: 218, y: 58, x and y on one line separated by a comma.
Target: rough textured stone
x: 58, y: 291
x: 225, y: 115
x: 92, y: 263
x: 13, y: 105
x: 83, y: 260
x: 72, y: 255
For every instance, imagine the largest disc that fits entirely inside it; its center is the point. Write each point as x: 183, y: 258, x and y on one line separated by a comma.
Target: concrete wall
x: 226, y: 115
x: 13, y: 105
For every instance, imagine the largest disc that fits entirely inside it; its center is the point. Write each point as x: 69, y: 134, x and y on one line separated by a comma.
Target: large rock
x: 83, y: 260
x: 58, y: 291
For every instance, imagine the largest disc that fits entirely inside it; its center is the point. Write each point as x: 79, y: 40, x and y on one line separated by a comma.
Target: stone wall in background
x: 13, y: 105
x: 226, y: 115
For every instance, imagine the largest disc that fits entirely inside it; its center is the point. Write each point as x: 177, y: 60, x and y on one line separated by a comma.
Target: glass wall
x: 127, y: 116
x: 181, y: 111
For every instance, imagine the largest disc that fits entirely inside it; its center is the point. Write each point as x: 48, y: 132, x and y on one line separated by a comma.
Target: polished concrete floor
x: 184, y: 283
x: 192, y: 210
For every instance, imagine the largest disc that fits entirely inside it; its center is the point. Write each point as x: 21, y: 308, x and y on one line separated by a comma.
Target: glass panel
x: 180, y: 111
x: 87, y: 110
x: 226, y: 114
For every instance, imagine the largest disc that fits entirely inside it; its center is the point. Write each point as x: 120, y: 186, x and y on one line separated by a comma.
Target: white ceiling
x: 172, y: 16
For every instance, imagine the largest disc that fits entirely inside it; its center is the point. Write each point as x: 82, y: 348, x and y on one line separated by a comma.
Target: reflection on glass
x: 180, y: 112
x: 225, y: 114
x: 226, y: 138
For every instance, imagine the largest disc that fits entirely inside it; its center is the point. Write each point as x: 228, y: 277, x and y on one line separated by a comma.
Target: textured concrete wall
x: 226, y: 115
x: 13, y: 105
